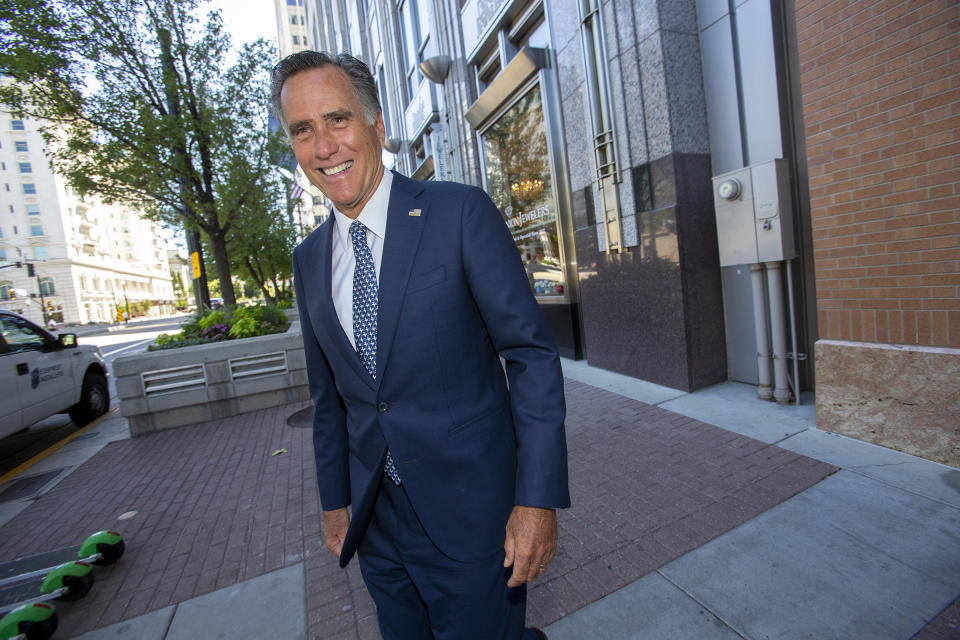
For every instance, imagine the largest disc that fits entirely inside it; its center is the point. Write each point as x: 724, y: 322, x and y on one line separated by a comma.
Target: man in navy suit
x: 451, y: 460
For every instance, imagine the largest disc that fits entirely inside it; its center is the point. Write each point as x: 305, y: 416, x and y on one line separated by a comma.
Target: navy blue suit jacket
x: 453, y: 299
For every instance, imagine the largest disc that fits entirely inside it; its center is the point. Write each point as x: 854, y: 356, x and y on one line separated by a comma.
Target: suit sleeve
x: 519, y: 333
x: 329, y: 419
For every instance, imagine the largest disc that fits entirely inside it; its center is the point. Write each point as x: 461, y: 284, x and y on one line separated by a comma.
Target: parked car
x: 42, y: 374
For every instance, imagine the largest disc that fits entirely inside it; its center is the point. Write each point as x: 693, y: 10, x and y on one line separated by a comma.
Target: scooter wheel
x: 77, y: 587
x: 110, y: 553
x: 39, y: 630
x: 36, y: 621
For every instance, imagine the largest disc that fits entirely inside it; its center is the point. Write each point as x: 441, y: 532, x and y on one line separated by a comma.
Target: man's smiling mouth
x: 337, y: 169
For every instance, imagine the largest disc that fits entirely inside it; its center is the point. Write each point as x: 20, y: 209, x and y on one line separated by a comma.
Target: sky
x: 247, y: 20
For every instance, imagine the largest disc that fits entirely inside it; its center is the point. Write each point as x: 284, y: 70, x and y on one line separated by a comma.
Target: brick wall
x: 881, y: 105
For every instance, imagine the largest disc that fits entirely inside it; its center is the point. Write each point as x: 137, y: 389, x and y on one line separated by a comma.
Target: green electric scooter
x: 22, y: 594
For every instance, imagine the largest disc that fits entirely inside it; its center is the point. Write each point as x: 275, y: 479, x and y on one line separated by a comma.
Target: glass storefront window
x: 521, y: 185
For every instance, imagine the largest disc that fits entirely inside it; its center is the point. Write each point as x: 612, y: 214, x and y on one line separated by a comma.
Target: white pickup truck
x: 42, y: 374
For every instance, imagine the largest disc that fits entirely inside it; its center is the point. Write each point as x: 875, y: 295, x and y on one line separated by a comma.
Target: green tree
x: 262, y: 247
x: 144, y: 108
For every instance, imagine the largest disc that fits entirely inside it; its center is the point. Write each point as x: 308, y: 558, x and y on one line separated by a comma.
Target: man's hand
x: 530, y: 544
x: 335, y: 525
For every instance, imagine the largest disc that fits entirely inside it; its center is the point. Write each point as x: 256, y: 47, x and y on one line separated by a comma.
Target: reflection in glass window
x: 21, y: 146
x: 520, y: 183
x: 36, y: 230
x: 21, y: 336
x: 39, y: 253
x: 33, y: 209
x: 29, y: 188
x: 25, y: 167
x: 410, y: 40
x: 16, y: 125
x: 46, y: 286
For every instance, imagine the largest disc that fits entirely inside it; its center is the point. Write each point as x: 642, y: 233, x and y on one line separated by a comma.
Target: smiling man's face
x: 338, y: 150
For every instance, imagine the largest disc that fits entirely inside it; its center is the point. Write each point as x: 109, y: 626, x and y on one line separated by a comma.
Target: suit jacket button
x: 382, y: 407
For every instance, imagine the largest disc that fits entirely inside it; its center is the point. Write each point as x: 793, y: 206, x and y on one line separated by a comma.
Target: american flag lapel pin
x: 414, y: 213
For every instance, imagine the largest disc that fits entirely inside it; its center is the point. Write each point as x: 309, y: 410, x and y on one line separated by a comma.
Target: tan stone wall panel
x: 904, y: 398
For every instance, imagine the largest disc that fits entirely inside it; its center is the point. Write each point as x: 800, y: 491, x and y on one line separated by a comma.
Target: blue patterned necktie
x: 365, y: 314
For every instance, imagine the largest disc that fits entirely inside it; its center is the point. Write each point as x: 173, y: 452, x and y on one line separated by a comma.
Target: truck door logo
x: 43, y: 375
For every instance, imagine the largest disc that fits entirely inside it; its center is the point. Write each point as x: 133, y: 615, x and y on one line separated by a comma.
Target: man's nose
x: 324, y: 146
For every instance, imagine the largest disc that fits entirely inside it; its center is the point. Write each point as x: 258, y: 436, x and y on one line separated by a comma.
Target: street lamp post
x: 126, y: 303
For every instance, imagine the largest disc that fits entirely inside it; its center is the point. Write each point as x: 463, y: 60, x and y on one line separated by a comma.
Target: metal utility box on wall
x: 754, y: 216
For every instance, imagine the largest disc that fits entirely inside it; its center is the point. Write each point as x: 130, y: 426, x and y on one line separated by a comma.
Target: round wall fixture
x: 729, y: 189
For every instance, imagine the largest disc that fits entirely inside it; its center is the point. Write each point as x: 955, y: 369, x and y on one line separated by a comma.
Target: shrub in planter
x: 224, y: 324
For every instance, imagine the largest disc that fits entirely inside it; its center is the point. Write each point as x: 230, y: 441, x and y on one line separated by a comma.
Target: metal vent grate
x: 175, y: 380
x: 258, y: 366
x: 29, y: 486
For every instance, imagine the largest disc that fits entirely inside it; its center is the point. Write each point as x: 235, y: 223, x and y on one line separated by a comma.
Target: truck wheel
x: 94, y: 400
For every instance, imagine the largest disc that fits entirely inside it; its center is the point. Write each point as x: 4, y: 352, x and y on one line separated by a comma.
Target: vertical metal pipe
x: 793, y: 335
x: 778, y: 333
x: 764, y: 390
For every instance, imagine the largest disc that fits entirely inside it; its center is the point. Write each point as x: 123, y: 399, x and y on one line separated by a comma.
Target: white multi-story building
x: 291, y: 27
x: 88, y: 258
x: 310, y: 206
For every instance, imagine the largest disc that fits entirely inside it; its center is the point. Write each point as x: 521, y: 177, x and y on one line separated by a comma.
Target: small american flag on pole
x: 295, y: 191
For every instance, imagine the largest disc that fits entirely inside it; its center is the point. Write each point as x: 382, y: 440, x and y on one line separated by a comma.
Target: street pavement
x: 695, y: 515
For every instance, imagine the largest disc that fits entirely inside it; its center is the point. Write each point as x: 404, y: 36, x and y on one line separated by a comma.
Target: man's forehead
x: 327, y: 84
x: 328, y: 77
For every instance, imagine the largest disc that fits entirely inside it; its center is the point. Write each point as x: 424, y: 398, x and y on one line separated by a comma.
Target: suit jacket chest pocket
x: 426, y: 279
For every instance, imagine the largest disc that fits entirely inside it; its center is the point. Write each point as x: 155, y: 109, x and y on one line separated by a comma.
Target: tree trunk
x: 256, y: 272
x: 222, y: 262
x: 266, y: 294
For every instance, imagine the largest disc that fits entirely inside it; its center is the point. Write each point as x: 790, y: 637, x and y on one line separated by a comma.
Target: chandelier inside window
x: 527, y: 188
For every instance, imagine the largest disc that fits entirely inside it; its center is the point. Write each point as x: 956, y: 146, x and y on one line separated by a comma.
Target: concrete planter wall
x: 166, y: 389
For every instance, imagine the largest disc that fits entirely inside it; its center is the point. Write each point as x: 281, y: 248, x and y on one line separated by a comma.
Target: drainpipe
x: 764, y: 390
x: 778, y: 333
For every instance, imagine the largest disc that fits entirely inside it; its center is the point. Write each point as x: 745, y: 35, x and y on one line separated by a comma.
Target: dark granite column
x: 655, y: 310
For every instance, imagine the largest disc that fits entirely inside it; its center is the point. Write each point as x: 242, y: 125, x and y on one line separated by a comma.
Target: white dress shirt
x: 374, y: 218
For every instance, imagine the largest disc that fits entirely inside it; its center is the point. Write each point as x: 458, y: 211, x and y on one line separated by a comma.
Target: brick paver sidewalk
x: 215, y: 507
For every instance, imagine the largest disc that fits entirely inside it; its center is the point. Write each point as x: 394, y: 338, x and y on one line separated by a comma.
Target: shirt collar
x: 374, y: 214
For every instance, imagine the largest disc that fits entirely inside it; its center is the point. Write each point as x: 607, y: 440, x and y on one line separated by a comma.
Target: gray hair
x: 364, y: 88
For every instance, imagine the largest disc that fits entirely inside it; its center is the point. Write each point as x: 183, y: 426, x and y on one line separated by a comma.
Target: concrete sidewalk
x: 703, y: 515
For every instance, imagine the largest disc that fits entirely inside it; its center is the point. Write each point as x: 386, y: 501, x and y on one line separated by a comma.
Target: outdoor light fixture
x: 392, y: 144
x: 436, y: 68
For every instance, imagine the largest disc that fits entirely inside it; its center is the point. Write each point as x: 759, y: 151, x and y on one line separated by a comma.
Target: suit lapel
x: 399, y: 249
x: 327, y: 312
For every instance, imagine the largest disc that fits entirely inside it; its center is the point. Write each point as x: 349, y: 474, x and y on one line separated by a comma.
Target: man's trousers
x: 420, y: 593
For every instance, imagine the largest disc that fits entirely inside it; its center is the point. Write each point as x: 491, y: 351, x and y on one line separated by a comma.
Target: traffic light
x: 30, y: 270
x: 49, y: 306
x: 13, y: 294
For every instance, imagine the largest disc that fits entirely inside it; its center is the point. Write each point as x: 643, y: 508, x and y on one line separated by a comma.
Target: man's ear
x: 381, y: 131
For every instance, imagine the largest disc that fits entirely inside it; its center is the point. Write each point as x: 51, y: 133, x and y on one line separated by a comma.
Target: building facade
x: 291, y: 26
x: 881, y: 109
x: 87, y: 259
x: 668, y: 170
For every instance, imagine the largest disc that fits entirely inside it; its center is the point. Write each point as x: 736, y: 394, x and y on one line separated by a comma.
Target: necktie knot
x: 358, y: 234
